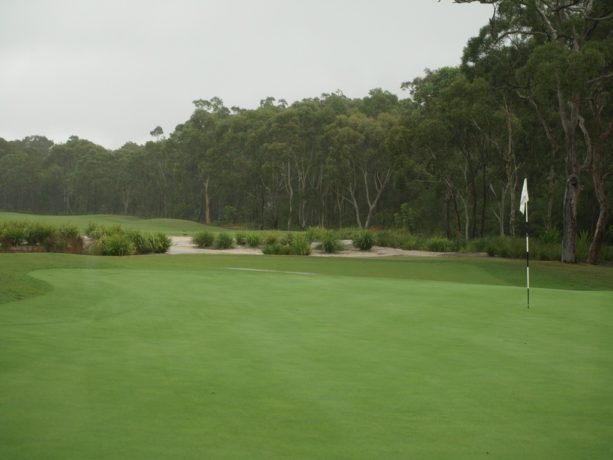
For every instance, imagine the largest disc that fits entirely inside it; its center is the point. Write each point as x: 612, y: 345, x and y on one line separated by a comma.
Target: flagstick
x: 527, y: 259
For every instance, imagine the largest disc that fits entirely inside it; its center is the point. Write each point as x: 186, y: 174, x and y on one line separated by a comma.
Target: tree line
x: 530, y: 99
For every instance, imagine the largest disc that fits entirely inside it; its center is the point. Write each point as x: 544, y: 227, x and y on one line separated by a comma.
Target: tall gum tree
x: 566, y: 38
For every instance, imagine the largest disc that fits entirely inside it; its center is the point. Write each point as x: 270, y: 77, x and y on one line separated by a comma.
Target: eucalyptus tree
x: 570, y: 60
x: 363, y: 161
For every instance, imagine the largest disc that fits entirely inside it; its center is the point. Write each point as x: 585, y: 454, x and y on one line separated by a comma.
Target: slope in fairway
x: 158, y: 363
x: 169, y: 226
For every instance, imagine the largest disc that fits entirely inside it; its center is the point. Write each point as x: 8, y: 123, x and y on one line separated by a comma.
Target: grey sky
x: 111, y: 70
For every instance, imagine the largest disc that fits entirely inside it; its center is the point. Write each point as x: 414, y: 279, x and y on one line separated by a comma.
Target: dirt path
x: 184, y: 245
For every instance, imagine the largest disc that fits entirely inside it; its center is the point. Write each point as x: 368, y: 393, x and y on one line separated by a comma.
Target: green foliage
x: 390, y: 238
x: 223, y: 241
x: 144, y: 243
x: 505, y: 246
x: 114, y: 244
x: 363, y: 240
x: 271, y: 238
x: 230, y: 214
x: 253, y: 240
x: 551, y: 235
x: 277, y: 249
x: 330, y: 243
x: 48, y: 236
x: 160, y: 242
x: 583, y: 244
x: 203, y: 239
x: 39, y: 234
x: 241, y: 238
x: 405, y: 217
x: 68, y: 232
x: 300, y: 245
x: 286, y: 239
x: 316, y: 233
x: 297, y: 244
x: 439, y: 244
x: 12, y: 234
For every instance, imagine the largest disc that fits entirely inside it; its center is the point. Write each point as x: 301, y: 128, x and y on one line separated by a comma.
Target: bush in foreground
x: 330, y: 243
x: 223, y: 241
x: 203, y: 239
x: 49, y: 237
x: 363, y: 240
x: 253, y: 240
x: 115, y: 244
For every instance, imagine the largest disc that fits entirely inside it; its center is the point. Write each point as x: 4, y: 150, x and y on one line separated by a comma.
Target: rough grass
x: 188, y: 357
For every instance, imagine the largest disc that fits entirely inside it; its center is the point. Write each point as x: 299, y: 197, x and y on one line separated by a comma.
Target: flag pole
x: 523, y: 208
x: 527, y: 259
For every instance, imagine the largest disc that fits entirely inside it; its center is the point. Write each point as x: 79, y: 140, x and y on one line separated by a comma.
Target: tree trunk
x: 356, y: 207
x: 603, y: 215
x: 569, y: 233
x: 207, y: 203
x: 598, y: 178
x: 570, y: 120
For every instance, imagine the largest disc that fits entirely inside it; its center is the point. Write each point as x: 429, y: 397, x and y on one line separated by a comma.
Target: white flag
x: 523, y: 201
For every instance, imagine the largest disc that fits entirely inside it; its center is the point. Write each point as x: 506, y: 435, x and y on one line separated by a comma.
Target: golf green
x: 276, y: 358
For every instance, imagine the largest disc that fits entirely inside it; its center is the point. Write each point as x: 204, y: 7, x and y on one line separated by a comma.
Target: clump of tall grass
x: 363, y: 240
x: 46, y: 236
x: 203, y: 239
x: 223, y: 241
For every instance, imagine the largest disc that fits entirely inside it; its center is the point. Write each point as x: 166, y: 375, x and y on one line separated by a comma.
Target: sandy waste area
x: 184, y: 245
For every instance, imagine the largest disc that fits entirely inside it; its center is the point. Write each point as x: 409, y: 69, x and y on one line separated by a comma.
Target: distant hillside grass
x: 168, y: 226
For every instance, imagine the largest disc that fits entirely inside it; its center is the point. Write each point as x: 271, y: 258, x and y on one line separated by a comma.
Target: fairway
x: 169, y: 226
x: 287, y: 357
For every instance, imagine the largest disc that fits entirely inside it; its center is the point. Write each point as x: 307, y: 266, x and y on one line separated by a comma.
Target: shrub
x: 550, y: 236
x: 389, y: 238
x: 300, y: 245
x: 13, y: 234
x: 270, y: 238
x: 115, y: 244
x: 315, y: 233
x: 92, y: 230
x: 438, y: 244
x: 408, y: 242
x: 229, y: 214
x: 505, y: 246
x: 241, y: 238
x: 224, y: 241
x: 545, y: 251
x: 68, y: 232
x: 143, y: 244
x: 584, y: 240
x: 36, y: 233
x: 329, y: 242
x: 253, y: 240
x: 286, y: 239
x: 606, y: 253
x: 363, y: 240
x: 347, y: 233
x: 67, y: 236
x: 276, y: 249
x: 203, y: 239
x: 160, y: 242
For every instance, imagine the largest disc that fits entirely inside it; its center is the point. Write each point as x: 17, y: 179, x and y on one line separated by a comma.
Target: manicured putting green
x: 194, y: 357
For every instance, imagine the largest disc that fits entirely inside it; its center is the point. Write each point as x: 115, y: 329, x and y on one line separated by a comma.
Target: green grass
x: 187, y: 357
x: 168, y: 226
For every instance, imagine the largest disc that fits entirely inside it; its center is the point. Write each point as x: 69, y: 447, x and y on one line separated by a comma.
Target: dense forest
x: 532, y: 98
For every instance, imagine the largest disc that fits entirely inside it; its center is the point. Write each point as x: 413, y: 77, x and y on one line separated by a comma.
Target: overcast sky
x: 111, y: 70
